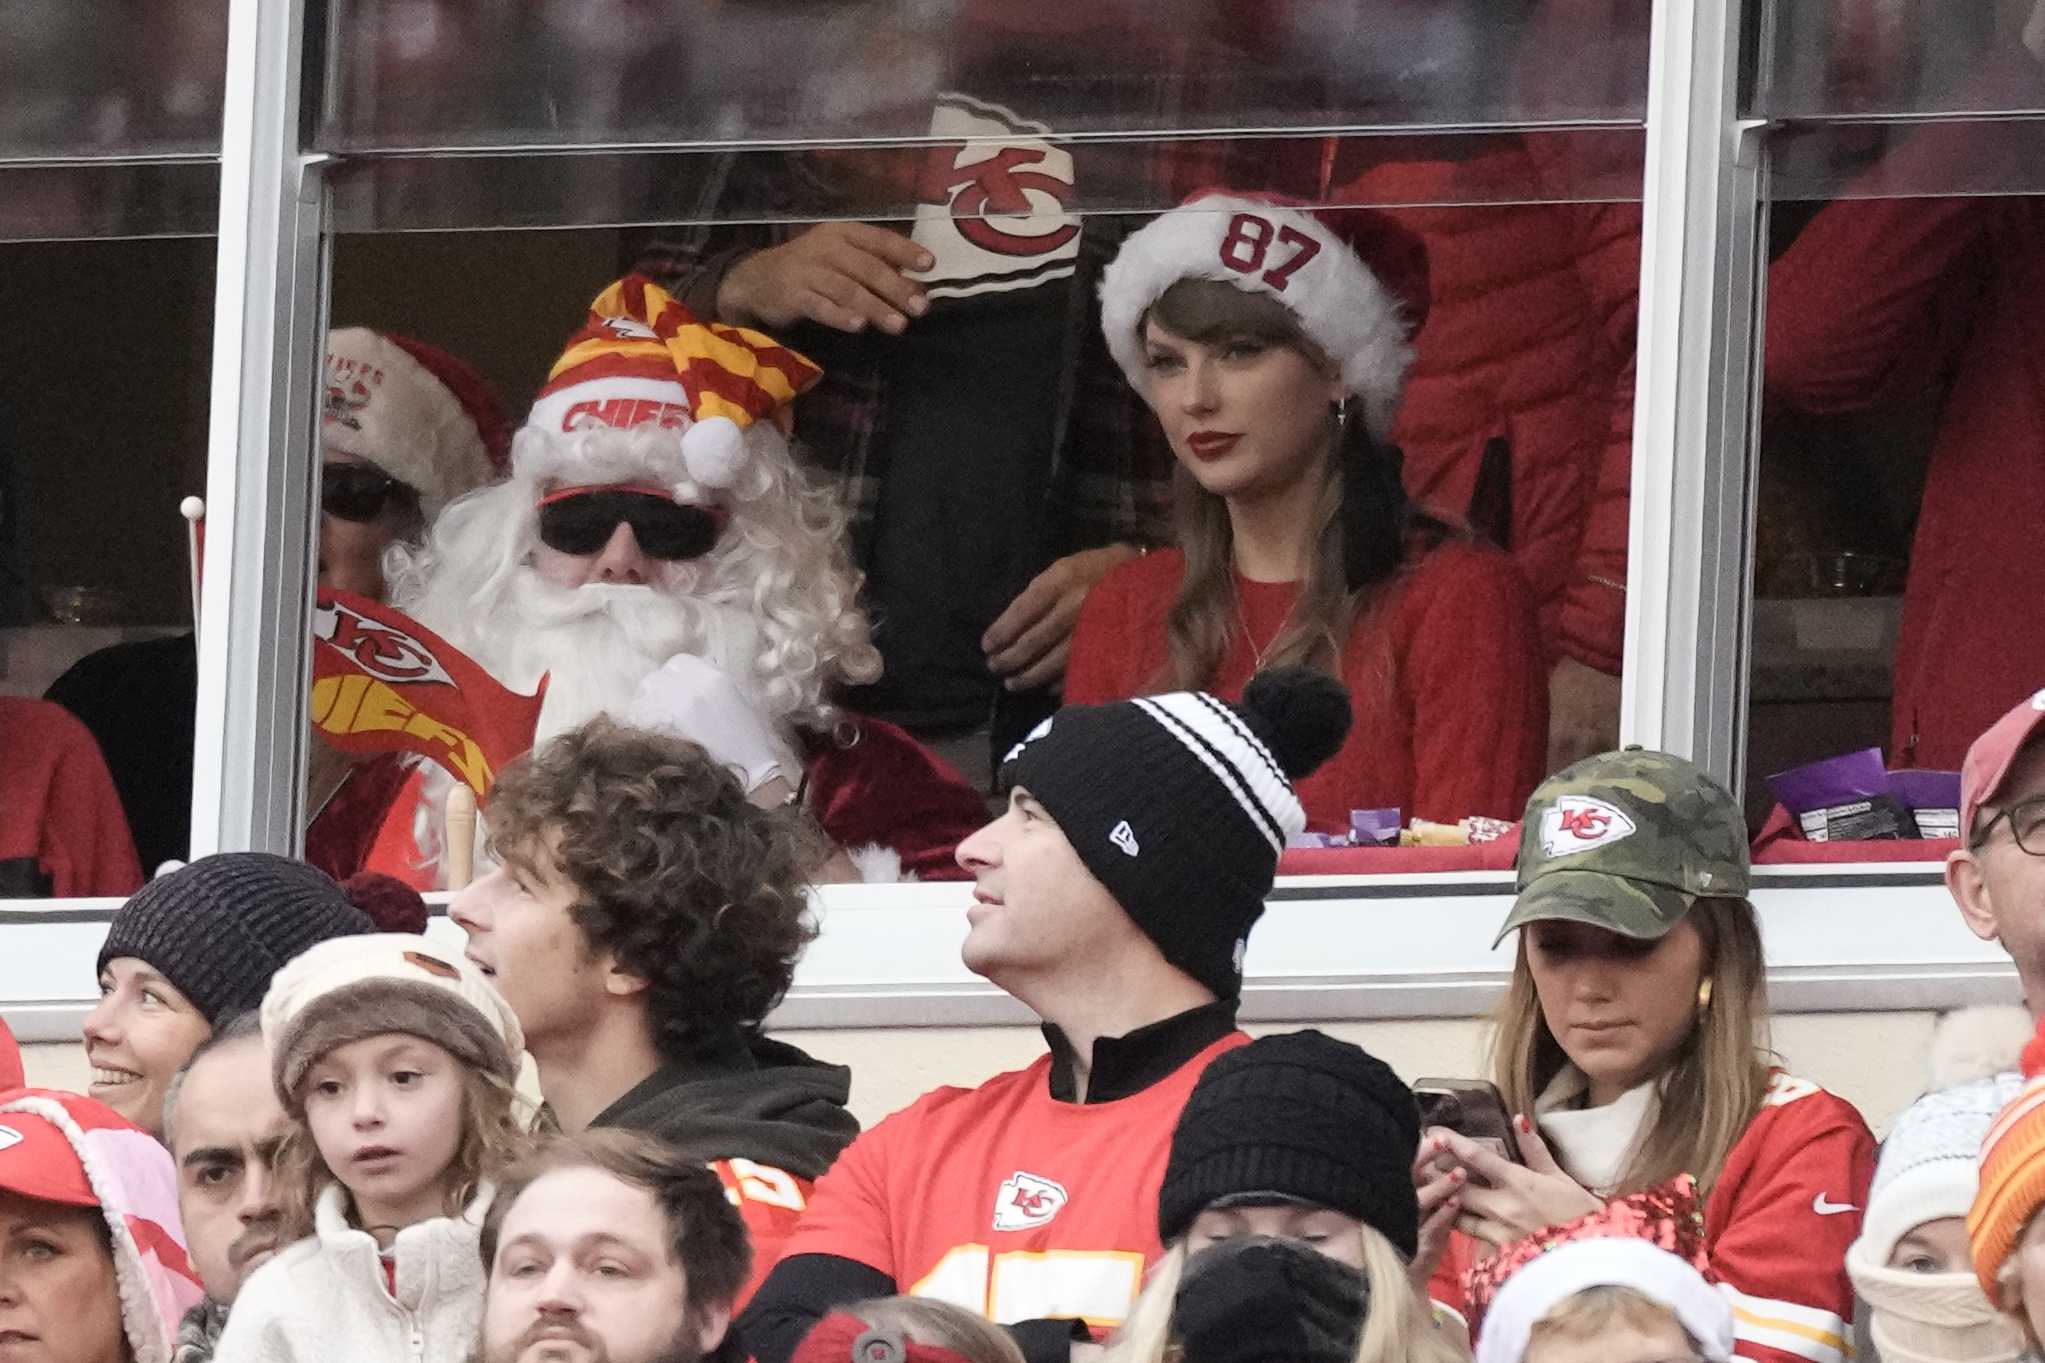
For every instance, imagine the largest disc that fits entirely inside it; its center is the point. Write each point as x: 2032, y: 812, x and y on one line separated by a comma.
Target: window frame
x: 1327, y: 949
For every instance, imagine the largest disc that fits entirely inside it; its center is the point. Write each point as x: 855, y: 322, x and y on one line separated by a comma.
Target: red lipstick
x: 1210, y: 445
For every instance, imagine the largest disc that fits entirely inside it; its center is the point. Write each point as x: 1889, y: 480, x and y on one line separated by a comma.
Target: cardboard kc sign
x: 382, y: 682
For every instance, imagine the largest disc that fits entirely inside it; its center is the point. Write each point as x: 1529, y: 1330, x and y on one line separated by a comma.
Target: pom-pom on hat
x: 219, y: 927
x: 414, y: 411
x: 643, y: 359
x: 2012, y: 1173
x: 1357, y: 281
x: 1303, y: 1117
x: 60, y: 1147
x: 1180, y: 804
x: 355, y: 987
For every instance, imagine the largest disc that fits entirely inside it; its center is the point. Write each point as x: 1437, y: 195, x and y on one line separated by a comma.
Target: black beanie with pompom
x: 1180, y: 804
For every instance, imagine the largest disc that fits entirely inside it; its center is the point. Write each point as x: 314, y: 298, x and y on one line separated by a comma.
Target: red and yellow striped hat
x: 2012, y: 1174
x: 644, y: 359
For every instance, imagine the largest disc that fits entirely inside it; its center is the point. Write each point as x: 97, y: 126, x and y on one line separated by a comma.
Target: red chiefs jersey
x: 1776, y: 1227
x: 771, y: 1201
x: 1005, y: 1201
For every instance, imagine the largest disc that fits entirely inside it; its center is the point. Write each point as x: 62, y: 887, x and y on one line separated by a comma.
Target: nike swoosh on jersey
x: 1824, y: 1208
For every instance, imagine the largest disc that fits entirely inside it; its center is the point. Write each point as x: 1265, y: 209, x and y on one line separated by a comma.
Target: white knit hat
x: 1618, y: 1261
x: 1929, y: 1167
x: 348, y: 988
x: 416, y: 412
x: 1357, y: 307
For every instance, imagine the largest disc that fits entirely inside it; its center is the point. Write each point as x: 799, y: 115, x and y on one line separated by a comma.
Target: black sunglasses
x: 581, y: 521
x: 361, y: 492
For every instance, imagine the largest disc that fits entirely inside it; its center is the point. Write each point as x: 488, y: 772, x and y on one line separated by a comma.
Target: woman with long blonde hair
x: 1270, y: 339
x: 1632, y: 1050
x: 1288, y: 1217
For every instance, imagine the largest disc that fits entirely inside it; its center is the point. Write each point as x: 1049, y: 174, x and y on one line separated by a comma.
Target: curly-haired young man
x: 642, y: 921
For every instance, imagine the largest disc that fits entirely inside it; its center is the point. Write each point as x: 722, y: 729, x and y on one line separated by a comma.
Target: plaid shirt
x: 1111, y: 467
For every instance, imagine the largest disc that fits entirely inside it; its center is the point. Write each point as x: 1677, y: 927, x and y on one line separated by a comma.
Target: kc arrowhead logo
x: 1577, y: 823
x: 1026, y: 1201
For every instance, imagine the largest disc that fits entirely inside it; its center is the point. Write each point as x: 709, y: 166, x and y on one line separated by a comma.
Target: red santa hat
x: 643, y: 359
x: 1356, y: 280
x: 414, y: 411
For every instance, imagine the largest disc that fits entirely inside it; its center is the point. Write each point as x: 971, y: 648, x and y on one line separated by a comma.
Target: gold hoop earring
x: 1704, y: 995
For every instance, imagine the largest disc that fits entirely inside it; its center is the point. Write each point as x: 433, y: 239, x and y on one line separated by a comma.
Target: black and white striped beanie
x: 1181, y: 803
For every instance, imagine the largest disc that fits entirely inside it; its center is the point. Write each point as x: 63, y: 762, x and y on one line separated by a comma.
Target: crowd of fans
x: 306, y: 1136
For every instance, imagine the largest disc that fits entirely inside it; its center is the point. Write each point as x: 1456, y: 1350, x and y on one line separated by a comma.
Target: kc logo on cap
x: 1577, y: 823
x: 10, y: 1138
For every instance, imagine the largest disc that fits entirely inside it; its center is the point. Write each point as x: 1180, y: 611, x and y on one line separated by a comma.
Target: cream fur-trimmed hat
x: 414, y: 411
x: 1356, y: 280
x: 350, y: 988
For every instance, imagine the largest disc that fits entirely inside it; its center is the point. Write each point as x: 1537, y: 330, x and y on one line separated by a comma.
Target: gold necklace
x: 1257, y: 655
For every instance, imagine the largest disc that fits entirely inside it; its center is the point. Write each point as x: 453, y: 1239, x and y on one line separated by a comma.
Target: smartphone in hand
x: 1469, y: 1107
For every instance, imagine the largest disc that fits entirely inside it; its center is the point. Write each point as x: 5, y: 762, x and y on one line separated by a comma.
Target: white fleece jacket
x: 324, y: 1299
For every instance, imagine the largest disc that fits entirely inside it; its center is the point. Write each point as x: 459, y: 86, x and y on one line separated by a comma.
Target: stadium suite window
x: 1020, y: 149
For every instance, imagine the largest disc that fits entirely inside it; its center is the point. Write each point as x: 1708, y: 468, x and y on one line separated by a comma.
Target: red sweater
x: 57, y: 803
x: 1445, y: 675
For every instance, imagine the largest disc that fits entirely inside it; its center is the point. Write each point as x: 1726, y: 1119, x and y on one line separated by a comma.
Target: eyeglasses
x: 581, y: 521
x: 2026, y: 825
x: 361, y: 492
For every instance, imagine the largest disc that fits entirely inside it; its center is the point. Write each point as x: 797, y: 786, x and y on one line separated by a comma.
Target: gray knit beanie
x: 219, y: 928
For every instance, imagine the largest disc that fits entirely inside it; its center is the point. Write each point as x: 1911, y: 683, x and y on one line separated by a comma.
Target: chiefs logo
x: 344, y: 398
x: 629, y: 328
x: 1577, y: 823
x: 387, y: 654
x: 1026, y: 1201
x: 1012, y: 183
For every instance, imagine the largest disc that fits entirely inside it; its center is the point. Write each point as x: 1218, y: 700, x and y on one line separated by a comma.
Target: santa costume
x: 749, y: 620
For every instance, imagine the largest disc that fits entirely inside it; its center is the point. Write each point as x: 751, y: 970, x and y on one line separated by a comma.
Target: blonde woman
x: 1270, y: 339
x: 1632, y: 1050
x: 1288, y: 1217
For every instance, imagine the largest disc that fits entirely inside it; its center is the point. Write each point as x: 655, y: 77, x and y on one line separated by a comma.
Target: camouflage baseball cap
x: 1627, y: 841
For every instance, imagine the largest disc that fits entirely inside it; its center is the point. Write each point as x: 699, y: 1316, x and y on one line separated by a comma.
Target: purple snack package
x: 1374, y: 827
x: 1834, y: 781
x: 1316, y: 841
x: 1933, y: 799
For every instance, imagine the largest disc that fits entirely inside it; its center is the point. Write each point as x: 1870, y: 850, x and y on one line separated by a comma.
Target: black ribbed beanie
x: 1305, y: 1116
x: 220, y: 927
x: 1181, y: 803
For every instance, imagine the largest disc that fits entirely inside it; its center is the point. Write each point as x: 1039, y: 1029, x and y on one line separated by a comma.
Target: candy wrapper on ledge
x: 1852, y: 797
x: 1380, y: 828
x: 1667, y: 1216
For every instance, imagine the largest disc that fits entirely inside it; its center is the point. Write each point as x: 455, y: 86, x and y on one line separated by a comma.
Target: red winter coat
x: 1444, y: 675
x: 1529, y: 338
x: 57, y: 803
x: 1884, y: 297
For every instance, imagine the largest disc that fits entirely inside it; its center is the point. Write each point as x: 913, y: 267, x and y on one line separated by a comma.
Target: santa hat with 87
x: 414, y: 411
x: 643, y: 359
x: 1356, y: 280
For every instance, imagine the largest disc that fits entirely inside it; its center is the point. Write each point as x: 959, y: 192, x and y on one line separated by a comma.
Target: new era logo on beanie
x: 1180, y: 804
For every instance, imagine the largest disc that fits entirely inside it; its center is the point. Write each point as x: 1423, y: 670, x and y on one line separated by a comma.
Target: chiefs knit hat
x: 414, y: 411
x: 1303, y: 1117
x: 1180, y: 804
x: 1993, y: 754
x: 356, y: 987
x: 220, y: 927
x: 642, y: 359
x: 61, y: 1147
x: 1357, y: 281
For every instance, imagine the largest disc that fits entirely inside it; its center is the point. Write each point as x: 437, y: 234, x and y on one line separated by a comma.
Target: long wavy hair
x: 1396, y: 1328
x: 1713, y: 1087
x: 1363, y: 521
x: 494, y: 1136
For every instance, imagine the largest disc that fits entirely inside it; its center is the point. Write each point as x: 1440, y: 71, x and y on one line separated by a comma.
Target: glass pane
x: 86, y: 200
x: 428, y: 73
x: 1899, y: 505
x: 96, y: 454
x: 1880, y: 58
x: 93, y: 78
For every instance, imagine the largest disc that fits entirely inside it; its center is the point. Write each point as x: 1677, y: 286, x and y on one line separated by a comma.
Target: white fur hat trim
x: 1561, y: 1273
x: 384, y: 406
x: 1272, y: 248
